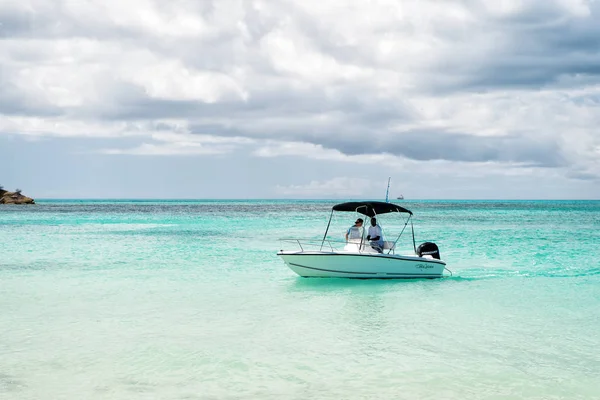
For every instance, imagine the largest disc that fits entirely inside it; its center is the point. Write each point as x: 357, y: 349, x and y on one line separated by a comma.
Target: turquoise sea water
x: 188, y: 300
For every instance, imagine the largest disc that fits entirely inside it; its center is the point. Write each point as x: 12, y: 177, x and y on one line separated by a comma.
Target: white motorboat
x: 357, y: 257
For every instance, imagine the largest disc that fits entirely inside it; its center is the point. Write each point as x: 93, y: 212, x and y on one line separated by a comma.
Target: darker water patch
x: 9, y: 383
x: 152, y: 232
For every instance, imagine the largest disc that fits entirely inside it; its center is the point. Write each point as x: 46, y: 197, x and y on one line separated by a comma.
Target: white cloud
x: 173, y: 144
x: 318, y: 152
x: 170, y: 149
x: 65, y: 127
x: 171, y: 80
x: 285, y: 46
x: 336, y: 187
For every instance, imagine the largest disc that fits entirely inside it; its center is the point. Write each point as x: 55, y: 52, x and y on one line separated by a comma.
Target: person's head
x: 359, y: 222
x: 373, y: 221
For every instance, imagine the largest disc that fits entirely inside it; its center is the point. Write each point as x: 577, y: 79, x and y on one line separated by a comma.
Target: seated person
x: 375, y: 236
x: 355, y: 231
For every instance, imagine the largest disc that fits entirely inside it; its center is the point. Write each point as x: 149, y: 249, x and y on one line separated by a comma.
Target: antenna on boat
x: 387, y: 192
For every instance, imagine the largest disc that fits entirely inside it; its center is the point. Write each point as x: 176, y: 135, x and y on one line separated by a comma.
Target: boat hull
x: 364, y: 266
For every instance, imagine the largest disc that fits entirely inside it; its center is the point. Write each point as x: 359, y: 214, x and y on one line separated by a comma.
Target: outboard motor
x: 428, y: 249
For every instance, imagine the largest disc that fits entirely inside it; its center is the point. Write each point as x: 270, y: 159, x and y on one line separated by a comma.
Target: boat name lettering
x: 423, y: 266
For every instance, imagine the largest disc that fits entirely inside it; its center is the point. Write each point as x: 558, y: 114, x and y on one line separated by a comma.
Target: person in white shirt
x: 375, y: 236
x: 355, y: 231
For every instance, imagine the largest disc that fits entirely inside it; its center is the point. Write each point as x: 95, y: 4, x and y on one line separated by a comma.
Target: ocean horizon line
x: 341, y: 199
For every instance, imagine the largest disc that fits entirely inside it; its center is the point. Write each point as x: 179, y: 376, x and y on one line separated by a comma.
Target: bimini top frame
x: 371, y: 209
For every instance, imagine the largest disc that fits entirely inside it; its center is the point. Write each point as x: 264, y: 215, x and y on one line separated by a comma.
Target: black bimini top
x: 370, y: 208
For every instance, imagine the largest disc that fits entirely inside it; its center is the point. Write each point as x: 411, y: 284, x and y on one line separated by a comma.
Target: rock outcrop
x: 14, y: 198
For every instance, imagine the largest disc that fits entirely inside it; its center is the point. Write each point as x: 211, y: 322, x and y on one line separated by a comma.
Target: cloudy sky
x: 285, y: 98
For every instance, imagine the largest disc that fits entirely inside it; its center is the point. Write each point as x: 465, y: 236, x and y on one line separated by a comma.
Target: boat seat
x: 356, y: 241
x: 389, y: 245
x: 354, y: 244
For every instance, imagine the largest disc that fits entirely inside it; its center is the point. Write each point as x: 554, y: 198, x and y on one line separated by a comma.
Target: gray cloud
x: 584, y: 176
x: 13, y: 102
x: 539, y: 46
x: 439, y: 145
x: 421, y: 145
x: 311, y: 78
x: 14, y: 24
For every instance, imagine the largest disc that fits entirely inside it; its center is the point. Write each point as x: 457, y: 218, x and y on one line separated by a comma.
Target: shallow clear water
x: 187, y: 300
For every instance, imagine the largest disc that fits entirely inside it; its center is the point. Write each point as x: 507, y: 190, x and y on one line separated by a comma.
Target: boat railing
x: 315, y: 244
x: 333, y: 245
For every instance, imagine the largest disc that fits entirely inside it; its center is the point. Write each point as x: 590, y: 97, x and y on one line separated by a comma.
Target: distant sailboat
x: 387, y: 192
